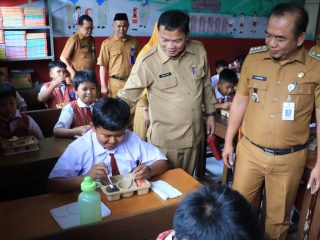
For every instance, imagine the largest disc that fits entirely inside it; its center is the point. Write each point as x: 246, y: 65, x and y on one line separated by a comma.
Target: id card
x: 288, y: 111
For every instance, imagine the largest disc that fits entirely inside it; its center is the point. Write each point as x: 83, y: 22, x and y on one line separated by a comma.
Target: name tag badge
x: 288, y: 111
x: 165, y: 75
x: 259, y: 78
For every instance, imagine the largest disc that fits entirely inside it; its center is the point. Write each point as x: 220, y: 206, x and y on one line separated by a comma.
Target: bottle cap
x: 88, y: 185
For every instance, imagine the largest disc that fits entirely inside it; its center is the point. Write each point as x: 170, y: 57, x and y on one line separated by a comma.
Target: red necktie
x: 89, y: 113
x: 114, y: 166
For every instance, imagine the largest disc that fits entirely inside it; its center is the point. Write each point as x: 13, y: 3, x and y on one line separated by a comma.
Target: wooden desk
x: 28, y: 172
x: 221, y: 125
x: 137, y: 217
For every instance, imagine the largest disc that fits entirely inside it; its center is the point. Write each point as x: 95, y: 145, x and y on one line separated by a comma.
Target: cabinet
x: 36, y: 29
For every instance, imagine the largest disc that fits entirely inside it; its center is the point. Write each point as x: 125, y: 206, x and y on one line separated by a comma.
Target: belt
x: 274, y: 151
x: 119, y: 78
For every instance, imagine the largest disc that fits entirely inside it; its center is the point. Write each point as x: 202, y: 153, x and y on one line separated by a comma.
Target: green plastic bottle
x: 89, y: 202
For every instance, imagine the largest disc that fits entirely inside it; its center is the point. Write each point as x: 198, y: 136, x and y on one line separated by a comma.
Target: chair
x: 46, y: 119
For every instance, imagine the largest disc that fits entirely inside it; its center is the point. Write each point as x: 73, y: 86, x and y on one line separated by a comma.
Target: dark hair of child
x: 7, y: 90
x: 84, y: 76
x: 112, y: 114
x: 57, y: 63
x: 229, y: 76
x: 221, y: 63
x: 84, y: 17
x: 216, y: 212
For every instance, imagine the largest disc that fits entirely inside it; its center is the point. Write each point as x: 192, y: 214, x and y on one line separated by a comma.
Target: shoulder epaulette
x: 148, y: 53
x: 258, y: 49
x: 314, y: 54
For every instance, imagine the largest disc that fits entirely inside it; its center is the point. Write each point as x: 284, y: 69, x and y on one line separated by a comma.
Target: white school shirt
x: 219, y: 96
x: 214, y: 80
x: 66, y: 115
x: 86, y: 151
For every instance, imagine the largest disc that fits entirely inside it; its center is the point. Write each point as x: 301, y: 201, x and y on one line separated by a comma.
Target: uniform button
x: 274, y: 99
x: 270, y: 131
x: 272, y: 115
x: 278, y: 82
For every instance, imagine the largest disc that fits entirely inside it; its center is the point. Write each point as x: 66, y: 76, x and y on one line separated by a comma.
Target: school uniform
x: 86, y: 151
x: 61, y: 94
x: 19, y: 126
x: 75, y: 114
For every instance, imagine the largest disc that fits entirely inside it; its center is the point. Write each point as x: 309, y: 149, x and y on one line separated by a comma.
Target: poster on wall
x: 208, y: 18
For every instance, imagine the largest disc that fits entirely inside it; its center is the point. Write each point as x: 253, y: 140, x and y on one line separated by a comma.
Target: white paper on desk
x: 68, y: 216
x: 164, y: 190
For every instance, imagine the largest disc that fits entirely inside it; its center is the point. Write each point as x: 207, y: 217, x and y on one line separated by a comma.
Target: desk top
x: 30, y: 217
x: 50, y: 148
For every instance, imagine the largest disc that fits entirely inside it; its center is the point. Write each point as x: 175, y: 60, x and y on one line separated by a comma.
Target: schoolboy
x: 224, y: 89
x: 214, y: 212
x: 223, y: 92
x: 75, y: 117
x: 219, y: 65
x: 92, y: 154
x: 59, y: 91
x: 12, y: 121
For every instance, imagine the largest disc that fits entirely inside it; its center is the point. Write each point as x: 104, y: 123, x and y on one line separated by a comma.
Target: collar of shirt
x: 83, y: 105
x: 218, y: 95
x: 16, y: 115
x: 298, y: 56
x: 115, y: 38
x: 164, y: 57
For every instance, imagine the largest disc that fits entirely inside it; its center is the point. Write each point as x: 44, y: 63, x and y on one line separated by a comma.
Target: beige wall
x: 312, y: 6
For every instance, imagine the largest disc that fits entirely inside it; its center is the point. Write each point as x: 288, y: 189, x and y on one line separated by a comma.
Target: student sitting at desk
x: 108, y: 148
x: 59, y: 91
x: 76, y: 116
x: 223, y: 91
x: 12, y: 121
x: 214, y: 212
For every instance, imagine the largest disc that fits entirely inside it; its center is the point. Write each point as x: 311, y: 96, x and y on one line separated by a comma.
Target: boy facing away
x: 59, y: 91
x: 75, y: 117
x: 214, y: 212
x: 12, y: 121
x: 219, y: 65
x: 92, y: 154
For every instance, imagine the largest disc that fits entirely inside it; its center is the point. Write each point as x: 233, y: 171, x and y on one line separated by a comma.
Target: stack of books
x: 15, y: 42
x: 34, y: 17
x: 12, y: 16
x: 2, y: 46
x: 21, y: 78
x: 37, y: 45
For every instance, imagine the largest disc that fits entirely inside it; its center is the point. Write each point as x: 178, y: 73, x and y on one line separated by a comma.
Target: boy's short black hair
x: 112, y: 114
x: 216, y: 212
x: 84, y: 76
x: 7, y: 90
x: 221, y: 63
x: 57, y: 63
x: 84, y: 17
x: 174, y: 19
x: 229, y: 76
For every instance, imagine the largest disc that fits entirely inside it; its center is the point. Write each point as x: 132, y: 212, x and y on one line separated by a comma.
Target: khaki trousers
x: 185, y: 158
x: 281, y: 174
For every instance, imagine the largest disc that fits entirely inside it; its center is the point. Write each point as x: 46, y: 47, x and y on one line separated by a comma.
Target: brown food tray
x: 19, y: 145
x: 121, y: 181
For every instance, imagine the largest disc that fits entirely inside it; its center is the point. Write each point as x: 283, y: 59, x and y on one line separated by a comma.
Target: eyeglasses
x: 87, y: 28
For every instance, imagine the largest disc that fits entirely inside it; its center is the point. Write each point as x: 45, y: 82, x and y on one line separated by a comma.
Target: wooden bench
x: 46, y: 119
x: 31, y: 98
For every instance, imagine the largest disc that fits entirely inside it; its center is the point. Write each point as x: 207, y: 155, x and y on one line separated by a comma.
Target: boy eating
x: 75, y: 117
x: 59, y: 91
x: 107, y: 148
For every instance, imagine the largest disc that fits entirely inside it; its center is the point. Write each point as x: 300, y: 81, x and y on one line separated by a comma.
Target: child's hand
x: 142, y: 171
x: 99, y: 170
x: 81, y: 130
x: 68, y: 81
x: 226, y: 105
x: 57, y: 81
x: 85, y: 129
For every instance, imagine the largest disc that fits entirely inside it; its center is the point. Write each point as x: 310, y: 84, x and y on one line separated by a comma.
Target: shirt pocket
x: 115, y: 53
x: 257, y: 92
x: 303, y: 96
x: 166, y: 83
x: 85, y: 53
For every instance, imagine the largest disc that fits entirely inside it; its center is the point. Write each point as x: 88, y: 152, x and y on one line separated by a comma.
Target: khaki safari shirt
x: 80, y: 51
x: 262, y: 123
x: 177, y: 88
x: 115, y: 53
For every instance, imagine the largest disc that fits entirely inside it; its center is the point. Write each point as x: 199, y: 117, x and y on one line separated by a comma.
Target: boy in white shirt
x: 75, y: 117
x: 91, y: 155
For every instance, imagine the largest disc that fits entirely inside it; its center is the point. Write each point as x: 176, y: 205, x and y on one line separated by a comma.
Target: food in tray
x: 19, y: 144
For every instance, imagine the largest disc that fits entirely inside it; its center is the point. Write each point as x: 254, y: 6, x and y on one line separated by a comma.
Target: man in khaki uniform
x: 278, y: 89
x: 117, y: 56
x: 177, y: 77
x: 79, y: 52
